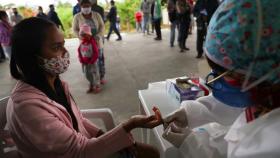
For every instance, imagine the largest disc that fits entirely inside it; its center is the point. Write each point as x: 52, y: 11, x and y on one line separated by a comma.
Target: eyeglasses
x: 212, y: 77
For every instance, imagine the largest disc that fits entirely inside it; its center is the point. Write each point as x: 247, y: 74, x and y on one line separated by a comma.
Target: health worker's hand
x: 175, y: 135
x: 178, y: 117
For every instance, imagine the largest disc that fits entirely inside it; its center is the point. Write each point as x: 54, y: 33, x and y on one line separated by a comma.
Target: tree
x: 26, y: 12
x: 126, y: 11
x: 64, y: 5
x: 64, y: 11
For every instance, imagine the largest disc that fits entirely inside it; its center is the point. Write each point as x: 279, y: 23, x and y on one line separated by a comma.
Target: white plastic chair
x: 6, y: 151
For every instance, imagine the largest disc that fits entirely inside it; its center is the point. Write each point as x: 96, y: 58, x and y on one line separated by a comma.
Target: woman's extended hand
x: 141, y: 121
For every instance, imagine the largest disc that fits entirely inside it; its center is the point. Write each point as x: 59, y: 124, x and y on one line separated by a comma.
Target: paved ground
x: 131, y: 64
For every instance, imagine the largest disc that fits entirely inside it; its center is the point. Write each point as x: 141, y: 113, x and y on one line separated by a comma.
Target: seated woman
x: 42, y: 116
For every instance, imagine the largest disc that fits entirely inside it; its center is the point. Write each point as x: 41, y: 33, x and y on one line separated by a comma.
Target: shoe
x: 182, y: 51
x: 199, y: 56
x: 187, y: 49
x: 96, y: 89
x: 171, y: 45
x: 119, y: 39
x: 103, y: 81
x: 90, y: 89
x: 107, y: 38
x: 157, y: 39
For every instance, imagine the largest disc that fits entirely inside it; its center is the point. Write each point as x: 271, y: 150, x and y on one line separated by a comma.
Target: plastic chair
x: 9, y: 151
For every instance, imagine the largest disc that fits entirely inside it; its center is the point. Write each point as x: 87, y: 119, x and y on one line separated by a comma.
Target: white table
x: 156, y: 95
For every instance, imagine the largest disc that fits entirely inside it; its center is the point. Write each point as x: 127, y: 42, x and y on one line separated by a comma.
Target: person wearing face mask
x: 95, y: 21
x: 101, y: 58
x: 242, y: 50
x: 52, y: 15
x: 41, y: 14
x: 42, y: 116
x: 15, y: 17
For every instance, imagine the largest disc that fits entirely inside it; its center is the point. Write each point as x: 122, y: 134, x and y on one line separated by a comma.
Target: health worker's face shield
x: 244, y: 37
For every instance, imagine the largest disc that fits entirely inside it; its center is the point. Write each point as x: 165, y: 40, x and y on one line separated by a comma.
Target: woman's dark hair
x: 3, y: 14
x: 27, y: 40
x: 84, y: 2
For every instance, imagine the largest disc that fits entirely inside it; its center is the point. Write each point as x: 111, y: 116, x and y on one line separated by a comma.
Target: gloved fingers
x: 175, y: 128
x: 174, y: 138
x: 179, y: 117
x: 170, y: 117
x: 175, y: 115
x: 181, y: 124
x: 182, y: 120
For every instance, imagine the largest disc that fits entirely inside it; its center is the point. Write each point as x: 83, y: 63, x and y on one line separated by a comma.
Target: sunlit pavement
x: 130, y: 65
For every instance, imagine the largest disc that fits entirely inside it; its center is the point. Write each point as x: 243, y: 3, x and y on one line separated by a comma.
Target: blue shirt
x: 76, y: 9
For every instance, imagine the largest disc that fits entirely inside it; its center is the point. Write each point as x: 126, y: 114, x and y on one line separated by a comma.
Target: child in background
x: 138, y: 19
x: 88, y: 56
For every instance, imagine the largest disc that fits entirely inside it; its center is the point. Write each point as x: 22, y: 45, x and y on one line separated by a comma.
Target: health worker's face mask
x: 228, y: 93
x: 86, y: 11
x: 56, y: 65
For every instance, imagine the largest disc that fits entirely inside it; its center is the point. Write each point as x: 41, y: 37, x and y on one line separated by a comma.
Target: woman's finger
x: 153, y: 124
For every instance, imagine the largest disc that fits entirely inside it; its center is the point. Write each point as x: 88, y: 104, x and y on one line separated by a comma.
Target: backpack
x: 88, y: 52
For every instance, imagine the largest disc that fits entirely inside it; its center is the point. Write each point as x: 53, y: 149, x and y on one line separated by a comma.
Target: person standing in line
x: 138, y: 21
x: 97, y: 8
x: 172, y: 15
x: 112, y: 17
x: 146, y: 10
x: 152, y: 15
x: 157, y: 19
x: 101, y: 57
x: 5, y: 34
x: 77, y: 8
x: 183, y: 10
x: 41, y: 14
x: 191, y: 3
x: 203, y: 11
x: 95, y: 21
x: 52, y: 15
x: 16, y: 17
